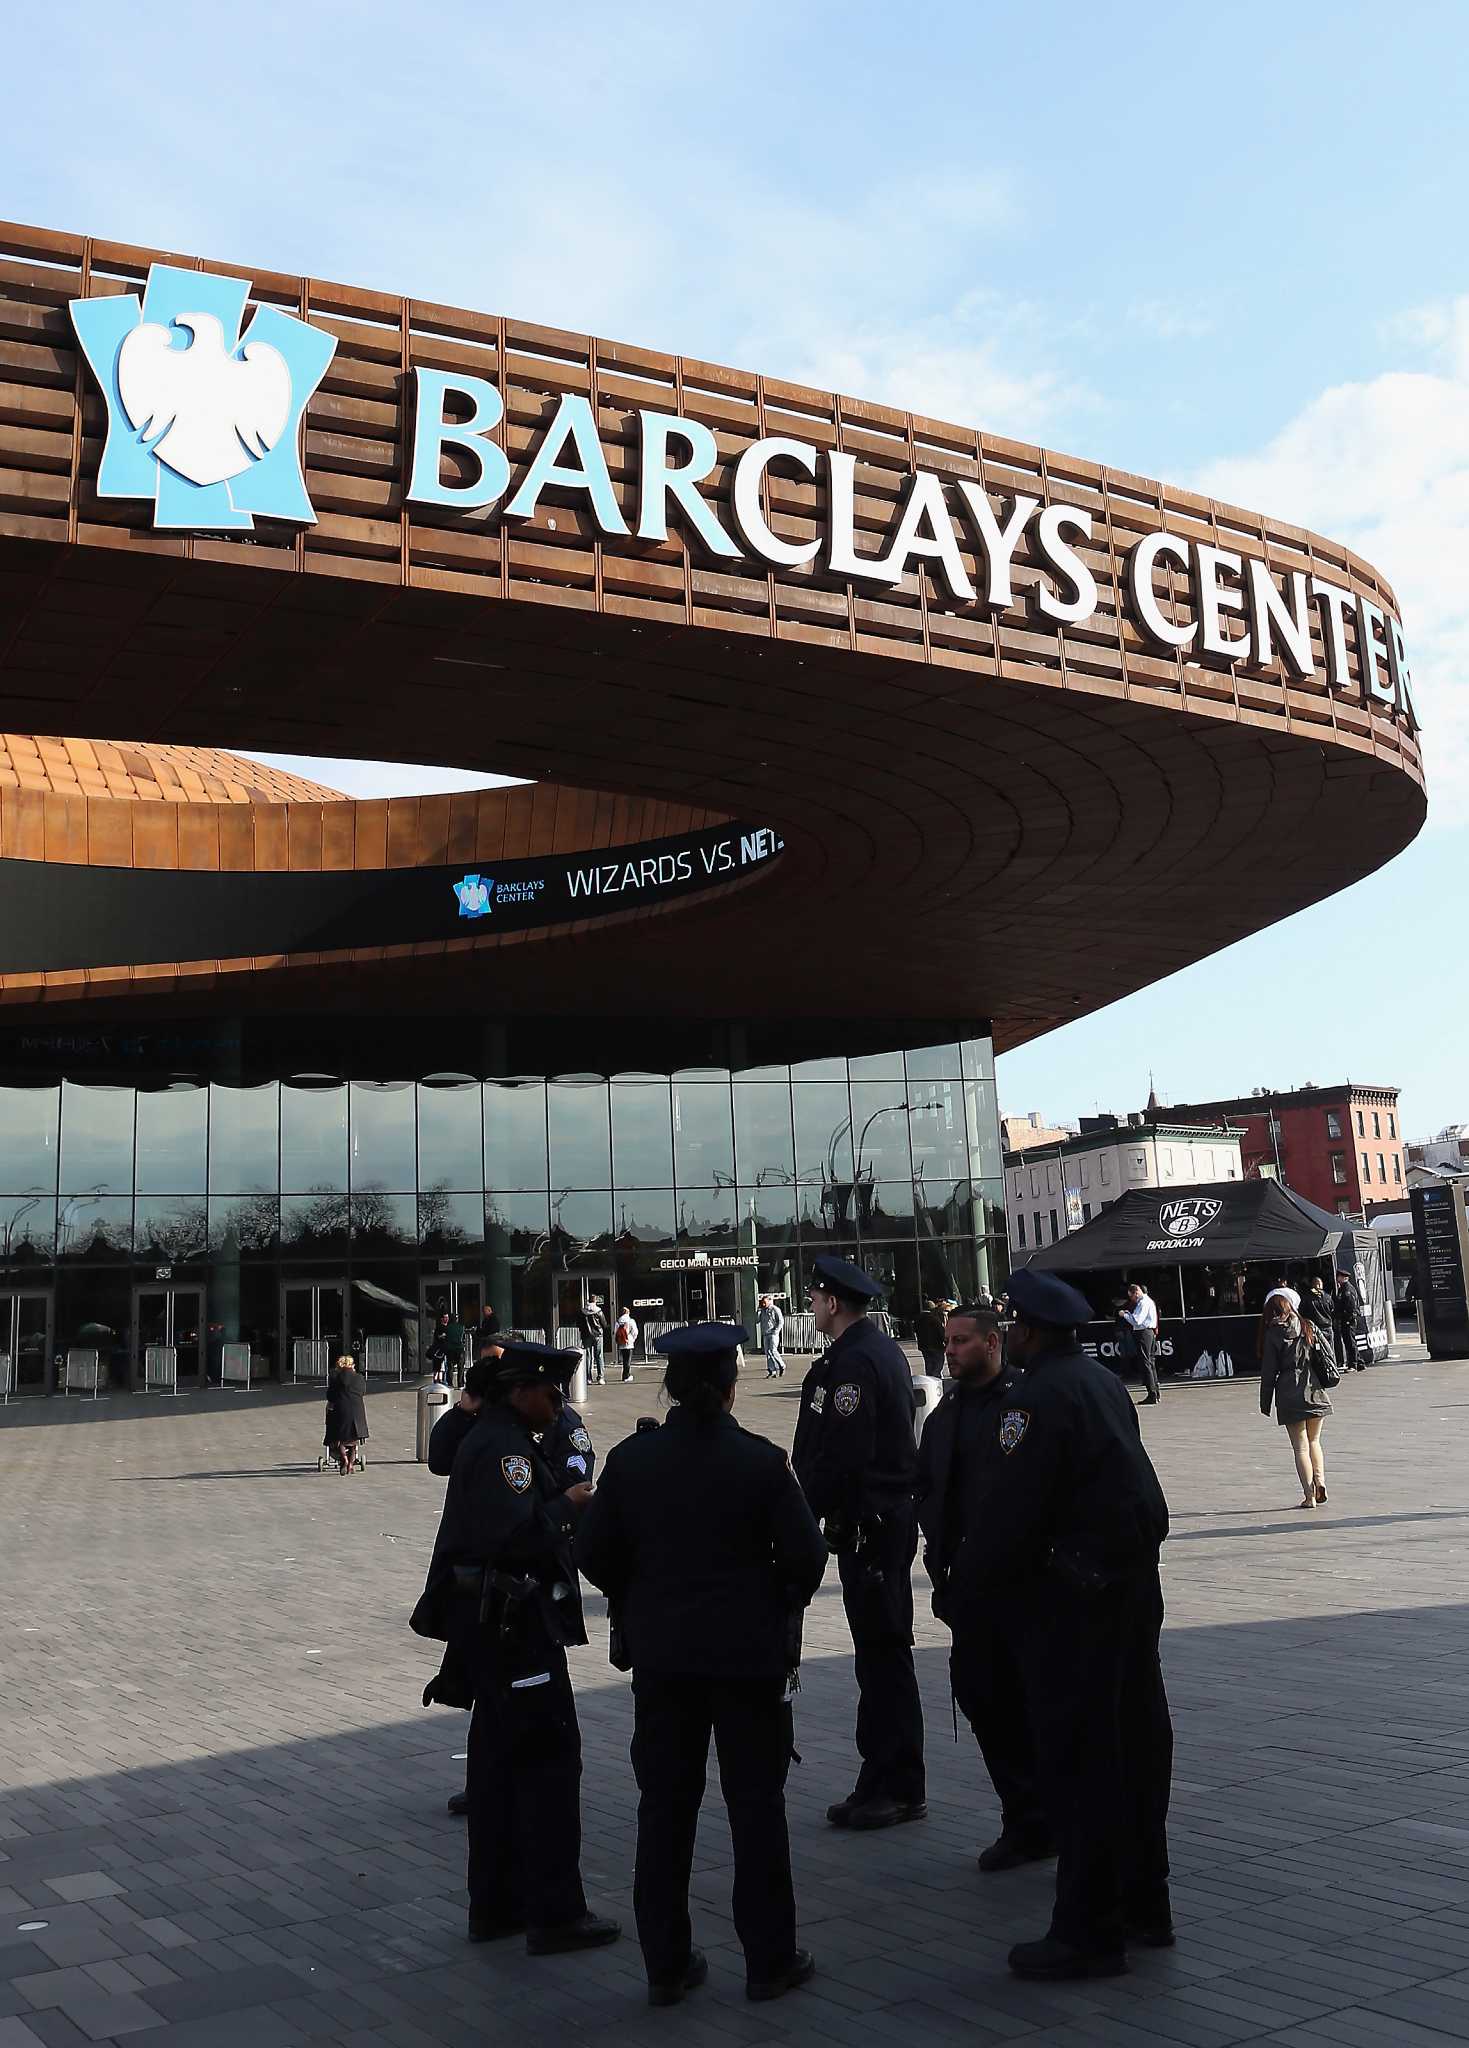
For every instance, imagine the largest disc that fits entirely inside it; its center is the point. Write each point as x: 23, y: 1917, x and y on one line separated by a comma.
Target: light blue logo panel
x: 201, y: 419
x: 474, y: 893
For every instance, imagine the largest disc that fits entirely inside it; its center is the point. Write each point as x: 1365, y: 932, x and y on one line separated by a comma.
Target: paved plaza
x: 222, y: 1808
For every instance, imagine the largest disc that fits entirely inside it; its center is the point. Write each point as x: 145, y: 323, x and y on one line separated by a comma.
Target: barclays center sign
x: 203, y: 423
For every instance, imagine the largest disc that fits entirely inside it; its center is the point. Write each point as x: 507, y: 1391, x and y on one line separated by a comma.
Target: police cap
x: 1046, y: 1301
x: 840, y: 1276
x: 522, y: 1364
x: 701, y: 1340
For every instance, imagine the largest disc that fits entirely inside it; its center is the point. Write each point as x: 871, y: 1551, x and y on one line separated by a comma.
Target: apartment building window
x: 1361, y: 1126
x: 1086, y: 1210
x: 1055, y: 1227
x: 1019, y: 1230
x: 1333, y: 1124
x: 1139, y: 1162
x: 1050, y: 1180
x: 1397, y: 1170
x: 1339, y: 1168
x: 1036, y: 1220
x: 1366, y: 1169
x: 1343, y: 1207
x: 1376, y: 1125
x: 1035, y: 1182
x: 1392, y: 1125
x: 1086, y: 1172
x: 1104, y: 1169
x: 1381, y: 1169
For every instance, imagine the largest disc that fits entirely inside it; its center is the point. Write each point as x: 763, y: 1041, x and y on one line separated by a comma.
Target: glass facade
x: 338, y: 1208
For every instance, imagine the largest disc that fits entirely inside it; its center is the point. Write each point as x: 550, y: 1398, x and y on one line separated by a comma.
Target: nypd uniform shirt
x: 854, y: 1452
x: 567, y: 1448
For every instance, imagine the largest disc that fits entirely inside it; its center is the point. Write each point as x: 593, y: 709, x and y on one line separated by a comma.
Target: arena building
x: 858, y: 746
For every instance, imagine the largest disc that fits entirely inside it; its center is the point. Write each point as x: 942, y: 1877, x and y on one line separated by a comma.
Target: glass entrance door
x: 25, y: 1339
x: 573, y: 1292
x: 170, y: 1316
x: 313, y: 1326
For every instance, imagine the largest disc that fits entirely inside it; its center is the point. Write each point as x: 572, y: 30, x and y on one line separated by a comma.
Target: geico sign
x: 1237, y: 608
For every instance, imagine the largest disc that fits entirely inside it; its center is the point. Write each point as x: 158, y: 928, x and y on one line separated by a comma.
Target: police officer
x: 854, y: 1456
x: 954, y: 1457
x: 566, y: 1446
x: 502, y: 1591
x: 1066, y: 1553
x: 708, y: 1552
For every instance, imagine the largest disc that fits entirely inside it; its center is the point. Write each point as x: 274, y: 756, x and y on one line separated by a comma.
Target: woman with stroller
x: 1292, y: 1356
x: 346, y: 1414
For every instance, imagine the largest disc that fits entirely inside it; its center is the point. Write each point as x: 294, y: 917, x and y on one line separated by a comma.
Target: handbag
x: 1322, y: 1364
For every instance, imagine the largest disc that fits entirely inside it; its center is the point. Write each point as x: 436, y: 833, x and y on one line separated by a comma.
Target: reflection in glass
x: 945, y: 1207
x: 515, y: 1222
x: 168, y: 1229
x: 934, y: 1063
x: 450, y: 1143
x: 820, y: 1070
x: 581, y: 1143
x: 642, y: 1140
x: 173, y: 1138
x: 885, y: 1208
x: 823, y: 1120
x: 240, y: 1225
x: 984, y: 1130
x: 880, y: 1130
x: 771, y: 1212
x: 383, y: 1224
x: 314, y: 1226
x: 314, y: 1139
x: 764, y: 1147
x: 703, y: 1135
x: 706, y: 1216
x: 96, y: 1139
x: 940, y: 1142
x: 450, y: 1223
x: 878, y: 1066
x: 977, y: 1059
x: 515, y: 1134
x: 579, y: 1220
x: 94, y: 1226
x: 244, y: 1139
x: 645, y: 1216
x: 27, y: 1231
x: 29, y: 1124
x: 383, y: 1152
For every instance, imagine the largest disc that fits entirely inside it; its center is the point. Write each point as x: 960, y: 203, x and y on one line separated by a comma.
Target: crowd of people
x: 1041, y: 1519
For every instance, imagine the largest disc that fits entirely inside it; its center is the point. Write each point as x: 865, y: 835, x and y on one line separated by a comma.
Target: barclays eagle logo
x: 474, y: 894
x: 201, y: 420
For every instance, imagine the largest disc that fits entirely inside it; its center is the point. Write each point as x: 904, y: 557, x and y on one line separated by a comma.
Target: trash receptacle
x: 433, y: 1399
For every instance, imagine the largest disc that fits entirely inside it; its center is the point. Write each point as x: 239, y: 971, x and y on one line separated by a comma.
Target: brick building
x: 1341, y: 1147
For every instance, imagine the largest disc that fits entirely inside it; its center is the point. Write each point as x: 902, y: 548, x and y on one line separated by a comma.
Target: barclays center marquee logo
x: 474, y: 893
x: 202, y: 419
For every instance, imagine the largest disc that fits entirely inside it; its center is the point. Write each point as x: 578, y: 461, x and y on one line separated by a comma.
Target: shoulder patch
x: 580, y: 1438
x: 818, y: 1400
x: 846, y: 1398
x: 1013, y: 1425
x: 517, y: 1473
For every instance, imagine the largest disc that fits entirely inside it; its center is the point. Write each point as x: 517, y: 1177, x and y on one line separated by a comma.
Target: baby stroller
x: 346, y: 1421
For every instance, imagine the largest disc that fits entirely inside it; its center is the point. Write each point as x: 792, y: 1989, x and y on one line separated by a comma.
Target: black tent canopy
x: 1215, y: 1222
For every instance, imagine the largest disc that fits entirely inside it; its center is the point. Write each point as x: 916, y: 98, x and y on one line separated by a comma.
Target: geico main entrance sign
x: 207, y: 425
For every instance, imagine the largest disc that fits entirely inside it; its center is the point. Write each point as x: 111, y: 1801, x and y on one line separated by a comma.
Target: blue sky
x: 1226, y: 250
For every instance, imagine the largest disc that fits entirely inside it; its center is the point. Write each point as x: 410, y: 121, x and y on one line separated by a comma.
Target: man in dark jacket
x: 1347, y: 1315
x: 954, y: 1459
x: 708, y: 1554
x: 855, y: 1458
x: 502, y: 1590
x: 1067, y: 1554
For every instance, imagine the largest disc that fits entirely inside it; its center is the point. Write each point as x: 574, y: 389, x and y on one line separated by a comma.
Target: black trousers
x: 1147, y: 1358
x: 750, y: 1721
x: 524, y: 1785
x: 877, y: 1594
x: 990, y: 1694
x: 1346, y: 1348
x: 1104, y: 1747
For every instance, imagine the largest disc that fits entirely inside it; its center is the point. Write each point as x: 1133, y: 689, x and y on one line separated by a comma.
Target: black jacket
x: 1068, y: 1490
x: 854, y: 1452
x: 566, y: 1446
x: 950, y: 1487
x: 1346, y: 1308
x: 1319, y: 1309
x: 705, y: 1548
x: 346, y: 1411
x: 447, y: 1434
x: 504, y: 1511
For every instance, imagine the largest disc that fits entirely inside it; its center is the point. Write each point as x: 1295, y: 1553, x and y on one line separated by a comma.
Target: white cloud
x: 1384, y: 466
x: 1170, y: 320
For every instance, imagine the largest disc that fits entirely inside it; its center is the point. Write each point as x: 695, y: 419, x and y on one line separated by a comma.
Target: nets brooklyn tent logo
x: 202, y: 419
x: 1188, y: 1215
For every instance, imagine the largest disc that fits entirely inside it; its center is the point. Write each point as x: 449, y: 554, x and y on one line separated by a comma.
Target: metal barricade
x: 7, y: 1376
x: 160, y: 1369
x: 82, y: 1372
x: 234, y: 1366
x: 311, y: 1358
x: 383, y: 1356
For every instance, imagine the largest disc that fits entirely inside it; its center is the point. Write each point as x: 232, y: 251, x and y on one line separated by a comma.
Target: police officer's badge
x: 580, y: 1438
x: 845, y: 1400
x: 517, y: 1473
x: 818, y: 1400
x: 1013, y: 1425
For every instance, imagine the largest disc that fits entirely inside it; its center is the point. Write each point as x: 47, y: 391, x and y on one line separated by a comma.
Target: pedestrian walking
x: 593, y: 1326
x: 708, y: 1554
x: 954, y: 1462
x: 855, y: 1457
x: 1140, y: 1313
x: 436, y: 1356
x: 771, y: 1321
x: 625, y: 1335
x: 1347, y: 1304
x: 502, y: 1593
x: 1065, y: 1553
x: 346, y: 1414
x: 928, y: 1335
x: 1291, y: 1354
